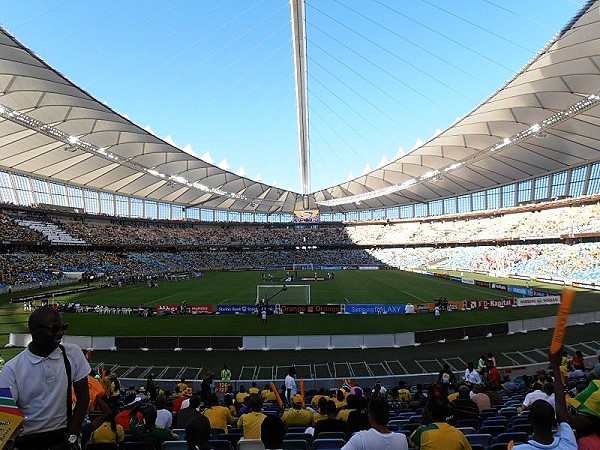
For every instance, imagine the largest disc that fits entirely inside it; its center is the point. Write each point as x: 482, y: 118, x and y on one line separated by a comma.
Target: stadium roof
x: 545, y: 119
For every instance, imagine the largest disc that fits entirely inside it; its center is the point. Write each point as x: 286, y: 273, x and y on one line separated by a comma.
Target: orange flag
x: 566, y: 300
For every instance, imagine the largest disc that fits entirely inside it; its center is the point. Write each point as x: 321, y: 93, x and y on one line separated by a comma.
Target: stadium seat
x: 296, y: 429
x: 328, y: 444
x: 138, y: 445
x: 466, y: 430
x: 250, y: 444
x: 221, y: 444
x: 473, y: 423
x: 332, y: 435
x: 295, y: 444
x: 298, y: 436
x: 180, y: 432
x: 507, y: 437
x: 522, y: 428
x: 494, y: 430
x: 174, y: 445
x: 232, y: 437
x: 481, y: 439
x: 102, y: 446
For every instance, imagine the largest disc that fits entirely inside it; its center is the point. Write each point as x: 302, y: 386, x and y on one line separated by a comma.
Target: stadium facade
x: 535, y: 139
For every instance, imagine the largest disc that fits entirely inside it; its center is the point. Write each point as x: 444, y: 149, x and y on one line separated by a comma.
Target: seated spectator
x: 480, y: 397
x: 436, y: 433
x: 164, y: 417
x: 351, y: 404
x: 186, y: 414
x: 331, y: 422
x: 109, y: 432
x: 123, y: 418
x: 268, y: 395
x: 542, y: 414
x: 146, y: 430
x: 218, y: 416
x: 547, y: 394
x: 471, y: 375
x: 379, y: 435
x: 251, y: 421
x: 463, y: 407
x: 272, y: 431
x: 185, y: 395
x: 359, y: 419
x: 197, y: 434
x: 297, y: 416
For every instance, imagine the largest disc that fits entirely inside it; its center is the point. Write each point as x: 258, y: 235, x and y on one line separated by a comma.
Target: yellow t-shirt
x: 250, y: 423
x: 268, y: 395
x: 297, y: 417
x: 219, y: 417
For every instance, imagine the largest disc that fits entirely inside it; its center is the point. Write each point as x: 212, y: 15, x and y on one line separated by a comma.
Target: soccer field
x: 389, y: 287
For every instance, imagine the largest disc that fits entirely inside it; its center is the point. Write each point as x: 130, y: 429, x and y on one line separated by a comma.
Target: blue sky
x: 217, y: 75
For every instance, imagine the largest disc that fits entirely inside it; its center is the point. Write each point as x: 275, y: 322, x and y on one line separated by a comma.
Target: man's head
x: 272, y: 432
x: 437, y: 408
x: 212, y: 400
x: 477, y: 388
x: 194, y: 402
x: 197, y: 431
x: 464, y: 391
x: 548, y: 388
x: 329, y: 408
x: 541, y: 415
x: 470, y: 366
x: 255, y: 402
x: 47, y: 330
x: 379, y: 411
x: 297, y: 401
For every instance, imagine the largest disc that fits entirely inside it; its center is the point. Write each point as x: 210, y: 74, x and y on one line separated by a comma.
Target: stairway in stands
x: 52, y: 232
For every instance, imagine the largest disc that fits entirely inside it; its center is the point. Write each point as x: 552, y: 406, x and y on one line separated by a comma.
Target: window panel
x: 7, y: 194
x: 541, y: 188
x: 577, y: 180
x: 594, y: 182
x: 150, y: 209
x: 107, y: 203
x: 493, y: 198
x: 59, y: 194
x: 508, y: 196
x: 75, y: 197
x: 91, y: 201
x: 23, y: 191
x: 478, y: 201
x: 40, y: 191
x: 450, y: 205
x: 525, y: 191
x: 464, y: 203
x: 559, y: 184
x: 137, y: 207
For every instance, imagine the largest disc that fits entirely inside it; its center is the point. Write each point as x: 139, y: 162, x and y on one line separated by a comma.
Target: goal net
x: 302, y: 267
x: 292, y: 294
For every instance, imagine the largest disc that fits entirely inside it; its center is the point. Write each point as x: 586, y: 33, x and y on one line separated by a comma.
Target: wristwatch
x: 73, y: 438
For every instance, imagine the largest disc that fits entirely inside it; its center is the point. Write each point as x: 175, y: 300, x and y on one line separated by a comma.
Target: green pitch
x: 240, y: 288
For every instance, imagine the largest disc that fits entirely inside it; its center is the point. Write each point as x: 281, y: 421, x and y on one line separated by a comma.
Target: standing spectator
x: 493, y: 377
x: 38, y: 378
x: 151, y: 387
x: 290, y: 385
x: 379, y: 436
x: 205, y: 386
x: 446, y: 379
x: 226, y: 373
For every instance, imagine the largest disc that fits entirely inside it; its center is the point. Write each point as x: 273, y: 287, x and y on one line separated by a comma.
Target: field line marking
x: 413, y: 296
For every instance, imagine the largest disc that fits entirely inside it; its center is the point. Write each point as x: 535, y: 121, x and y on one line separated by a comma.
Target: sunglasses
x: 55, y: 328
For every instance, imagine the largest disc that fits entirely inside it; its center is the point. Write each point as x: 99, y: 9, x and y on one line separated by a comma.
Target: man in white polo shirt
x: 38, y: 381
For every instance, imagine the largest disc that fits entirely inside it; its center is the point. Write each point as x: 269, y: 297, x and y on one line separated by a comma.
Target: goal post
x: 302, y: 267
x: 285, y: 294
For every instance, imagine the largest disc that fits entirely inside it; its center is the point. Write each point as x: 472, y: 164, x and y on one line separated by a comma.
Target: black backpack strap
x: 69, y: 394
